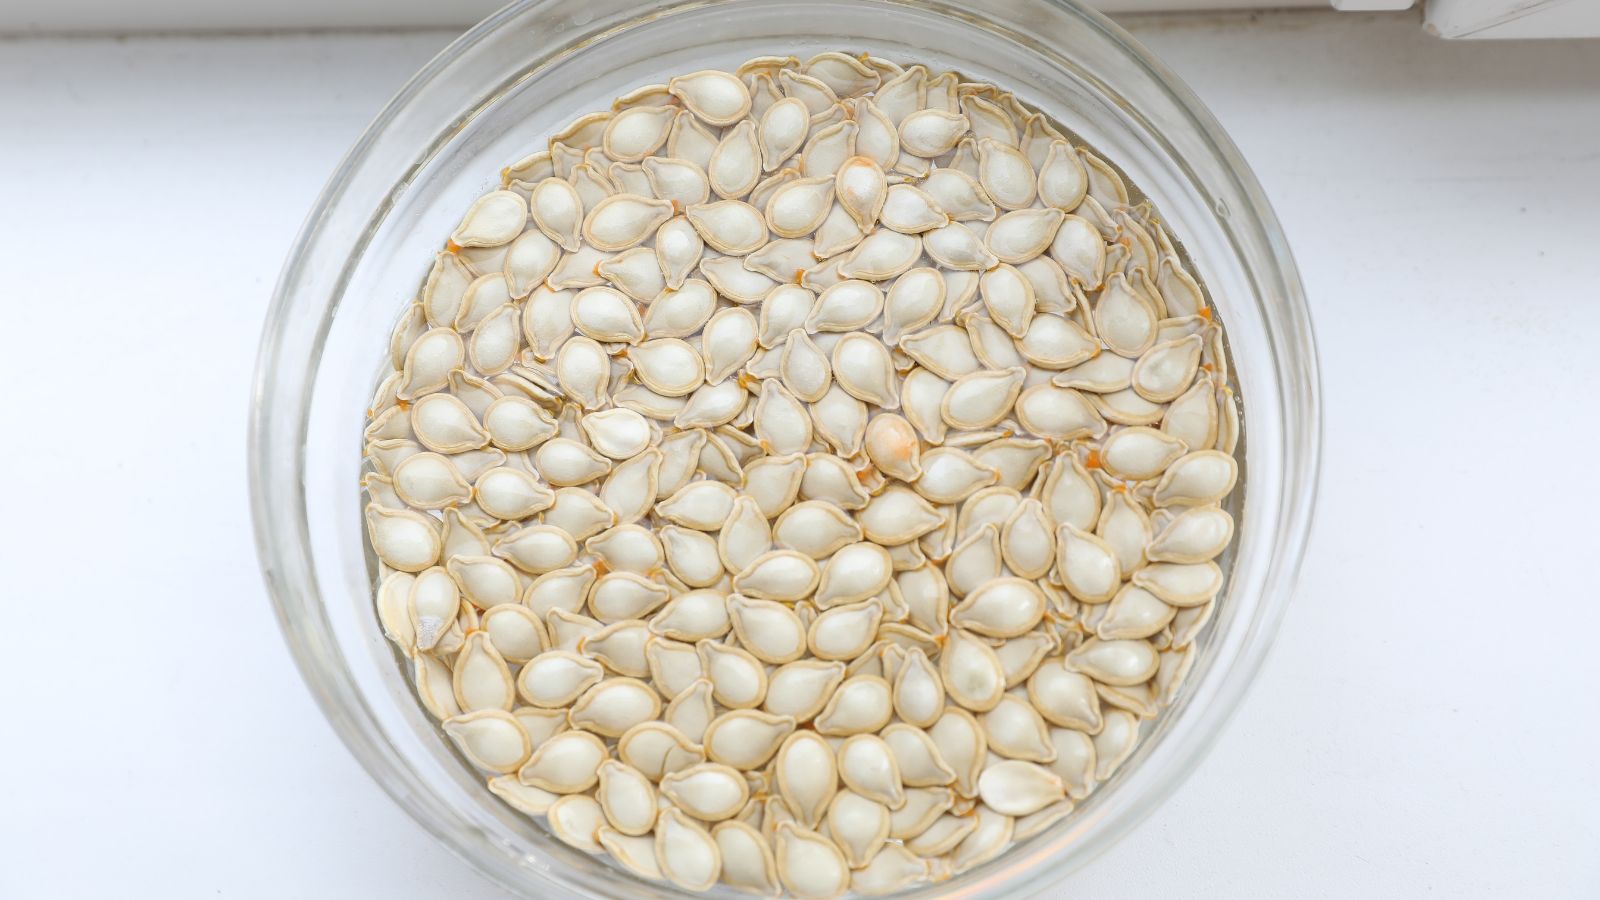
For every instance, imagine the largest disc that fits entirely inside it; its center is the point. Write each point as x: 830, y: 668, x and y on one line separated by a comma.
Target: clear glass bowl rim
x: 276, y: 464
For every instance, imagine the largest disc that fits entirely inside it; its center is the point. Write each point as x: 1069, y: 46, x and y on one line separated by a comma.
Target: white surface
x: 115, y: 16
x: 1426, y: 725
x: 1371, y: 5
x: 1513, y: 19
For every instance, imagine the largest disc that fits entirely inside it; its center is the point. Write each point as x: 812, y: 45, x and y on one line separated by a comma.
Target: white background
x: 1426, y: 726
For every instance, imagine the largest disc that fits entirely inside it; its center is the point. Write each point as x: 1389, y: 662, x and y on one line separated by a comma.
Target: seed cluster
x: 802, y: 478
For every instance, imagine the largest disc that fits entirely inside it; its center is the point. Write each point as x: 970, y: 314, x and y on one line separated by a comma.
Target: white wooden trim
x: 145, y: 16
x: 1513, y: 18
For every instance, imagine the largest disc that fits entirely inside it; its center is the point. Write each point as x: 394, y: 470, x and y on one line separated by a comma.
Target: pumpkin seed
x: 882, y: 255
x: 917, y: 757
x: 840, y: 419
x: 717, y: 98
x: 846, y: 307
x: 1196, y: 535
x: 613, y: 706
x: 1015, y: 729
x: 800, y: 689
x: 955, y: 246
x: 668, y: 366
x: 729, y: 226
x: 567, y: 763
x: 619, y: 647
x: 627, y: 798
x: 490, y: 738
x: 1179, y: 584
x: 931, y: 132
x: 890, y: 869
x: 1058, y: 413
x: 747, y: 861
x: 768, y: 629
x: 981, y: 398
x: 686, y: 853
x: 657, y: 749
x: 810, y: 865
x: 1021, y: 235
x: 799, y: 207
x: 1000, y: 607
x: 990, y: 836
x: 944, y: 350
x: 1197, y: 479
x: 829, y: 146
x: 523, y: 798
x: 860, y: 705
x: 922, y: 808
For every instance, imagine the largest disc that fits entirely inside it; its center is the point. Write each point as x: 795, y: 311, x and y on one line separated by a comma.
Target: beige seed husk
x: 627, y: 798
x: 710, y: 792
x: 404, y: 540
x: 810, y: 865
x: 686, y: 853
x: 566, y: 764
x: 858, y: 825
x: 491, y: 738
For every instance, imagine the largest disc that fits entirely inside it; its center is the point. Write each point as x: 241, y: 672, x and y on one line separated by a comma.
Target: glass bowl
x: 495, y: 95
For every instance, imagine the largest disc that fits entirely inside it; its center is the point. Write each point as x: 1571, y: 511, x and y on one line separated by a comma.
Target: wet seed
x: 698, y: 423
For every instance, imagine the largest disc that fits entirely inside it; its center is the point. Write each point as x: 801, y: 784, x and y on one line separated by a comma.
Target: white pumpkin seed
x: 845, y: 307
x: 971, y: 672
x: 882, y: 255
x: 657, y: 749
x: 829, y: 146
x: 613, y: 706
x: 619, y: 647
x: 746, y: 739
x: 955, y: 246
x: 490, y: 738
x: 686, y: 853
x: 567, y: 763
x: 810, y: 865
x: 1115, y: 662
x: 840, y: 420
x: 1179, y: 584
x: 1014, y: 729
x: 627, y: 798
x: 916, y: 757
x: 798, y: 208
x: 768, y: 629
x: 1196, y: 535
x: 931, y: 132
x: 729, y: 226
x: 863, y: 368
x: 962, y: 745
x: 862, y: 704
x: 1000, y: 607
x: 717, y: 98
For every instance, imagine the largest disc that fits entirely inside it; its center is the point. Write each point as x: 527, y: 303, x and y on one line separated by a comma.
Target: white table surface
x: 1427, y: 724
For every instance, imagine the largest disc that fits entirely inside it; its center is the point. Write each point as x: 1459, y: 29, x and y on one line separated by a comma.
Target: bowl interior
x: 494, y: 97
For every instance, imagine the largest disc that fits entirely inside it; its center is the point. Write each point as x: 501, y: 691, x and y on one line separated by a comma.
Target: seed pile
x: 805, y: 478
